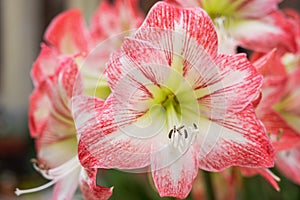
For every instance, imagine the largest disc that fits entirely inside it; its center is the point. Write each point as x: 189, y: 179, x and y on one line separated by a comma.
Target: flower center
x: 171, y: 102
x: 216, y: 8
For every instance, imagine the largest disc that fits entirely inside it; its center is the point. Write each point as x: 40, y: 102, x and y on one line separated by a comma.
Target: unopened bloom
x: 176, y: 105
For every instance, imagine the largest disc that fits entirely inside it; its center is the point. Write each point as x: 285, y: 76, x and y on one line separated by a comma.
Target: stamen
x: 54, y: 174
x: 182, y: 141
x: 279, y: 134
x: 173, y: 130
x: 19, y: 192
x: 58, y: 171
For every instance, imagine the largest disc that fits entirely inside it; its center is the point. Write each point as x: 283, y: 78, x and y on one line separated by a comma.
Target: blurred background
x: 22, y: 24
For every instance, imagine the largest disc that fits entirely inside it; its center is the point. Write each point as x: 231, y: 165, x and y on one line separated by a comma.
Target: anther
x: 178, y: 130
x: 185, y: 133
x: 195, y: 126
x: 173, y: 130
x: 170, y: 133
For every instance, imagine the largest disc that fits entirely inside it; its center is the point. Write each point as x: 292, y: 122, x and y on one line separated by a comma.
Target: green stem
x: 209, y: 187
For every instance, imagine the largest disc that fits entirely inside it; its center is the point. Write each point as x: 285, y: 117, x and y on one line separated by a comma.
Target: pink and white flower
x: 176, y: 105
x: 279, y: 112
x: 257, y: 25
x: 52, y: 126
x: 55, y: 73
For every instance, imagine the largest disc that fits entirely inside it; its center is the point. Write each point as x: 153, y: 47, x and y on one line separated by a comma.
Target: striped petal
x: 237, y: 140
x: 174, y: 177
x: 235, y: 85
x: 192, y: 24
x: 133, y: 56
x: 105, y: 133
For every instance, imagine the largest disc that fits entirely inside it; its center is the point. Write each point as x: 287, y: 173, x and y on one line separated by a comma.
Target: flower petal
x: 45, y: 65
x: 289, y: 106
x: 68, y: 33
x: 257, y: 8
x: 89, y: 188
x: 55, y: 154
x: 109, y: 141
x: 235, y: 86
x: 237, y: 140
x: 50, y: 118
x: 134, y: 56
x: 173, y: 172
x: 269, y: 64
x: 264, y: 34
x: 66, y: 187
x: 265, y: 173
x: 288, y: 162
x: 110, y: 19
x: 282, y: 135
x: 192, y: 23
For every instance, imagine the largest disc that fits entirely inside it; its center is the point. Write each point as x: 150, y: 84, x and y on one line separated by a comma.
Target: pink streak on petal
x: 239, y: 85
x: 257, y: 151
x: 174, y: 178
x: 133, y: 57
x: 193, y: 23
x: 103, y: 144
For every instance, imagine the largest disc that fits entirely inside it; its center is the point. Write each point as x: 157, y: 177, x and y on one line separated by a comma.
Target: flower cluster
x: 167, y: 94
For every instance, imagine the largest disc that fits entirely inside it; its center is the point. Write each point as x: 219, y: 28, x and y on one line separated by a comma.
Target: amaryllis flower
x: 55, y: 72
x: 111, y: 19
x: 288, y: 109
x: 278, y: 110
x: 257, y: 25
x: 51, y: 123
x: 176, y: 105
